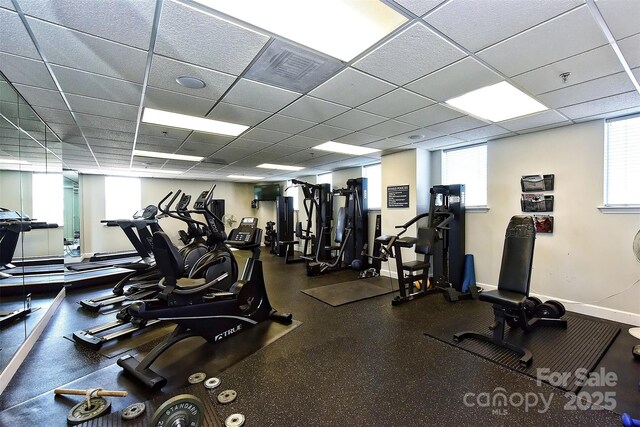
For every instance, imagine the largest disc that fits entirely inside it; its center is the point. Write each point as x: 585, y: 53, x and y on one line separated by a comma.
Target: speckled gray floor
x: 361, y: 364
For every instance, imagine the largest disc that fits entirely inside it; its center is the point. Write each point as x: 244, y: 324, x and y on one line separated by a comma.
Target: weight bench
x: 511, y: 302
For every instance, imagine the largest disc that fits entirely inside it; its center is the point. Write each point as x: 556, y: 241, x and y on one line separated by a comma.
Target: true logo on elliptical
x: 228, y: 333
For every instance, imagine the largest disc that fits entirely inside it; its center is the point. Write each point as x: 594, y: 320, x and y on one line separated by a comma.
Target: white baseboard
x: 587, y: 309
x: 17, y: 359
x: 574, y: 306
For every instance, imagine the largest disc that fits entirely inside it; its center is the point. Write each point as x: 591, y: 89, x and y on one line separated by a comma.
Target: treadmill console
x: 245, y: 234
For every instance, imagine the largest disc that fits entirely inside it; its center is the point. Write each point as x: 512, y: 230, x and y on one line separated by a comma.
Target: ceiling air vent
x: 215, y: 161
x: 292, y: 67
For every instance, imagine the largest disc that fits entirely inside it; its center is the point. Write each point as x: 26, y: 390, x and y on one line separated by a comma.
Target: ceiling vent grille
x: 291, y: 67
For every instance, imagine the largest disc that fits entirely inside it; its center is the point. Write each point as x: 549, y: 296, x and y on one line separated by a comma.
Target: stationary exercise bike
x: 197, y: 307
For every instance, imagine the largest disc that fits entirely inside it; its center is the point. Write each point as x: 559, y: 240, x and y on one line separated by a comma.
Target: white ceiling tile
x: 385, y: 144
x: 389, y: 128
x: 264, y: 135
x: 630, y: 48
x: 455, y: 79
x: 419, y: 7
x: 355, y: 120
x: 313, y: 109
x: 198, y: 149
x: 165, y: 71
x: 96, y: 86
x: 587, y: 91
x: 351, y: 87
x: 177, y: 102
x: 250, y: 145
x: 279, y: 151
x: 577, y: 31
x: 488, y: 131
x: 430, y: 115
x: 610, y: 114
x: 73, y: 49
x: 298, y: 141
x: 99, y: 122
x: 358, y: 138
x: 286, y: 124
x: 41, y: 97
x: 7, y: 4
x: 416, y: 135
x: 231, y: 155
x: 19, y: 69
x: 396, y: 103
x: 600, y: 106
x: 15, y: 38
x: 66, y: 132
x: 260, y: 96
x: 534, y: 120
x: 621, y: 16
x: 583, y: 67
x: 114, y: 135
x: 414, y: 52
x: 50, y: 115
x: 129, y: 23
x: 325, y: 132
x: 99, y: 107
x: 438, y: 143
x: 209, y: 138
x: 191, y: 35
x: 457, y: 125
x: 236, y: 114
x: 159, y: 141
x: 478, y: 24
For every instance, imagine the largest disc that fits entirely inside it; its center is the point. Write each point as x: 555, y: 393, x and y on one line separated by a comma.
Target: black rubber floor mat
x: 344, y: 293
x: 555, y: 350
x: 207, y: 397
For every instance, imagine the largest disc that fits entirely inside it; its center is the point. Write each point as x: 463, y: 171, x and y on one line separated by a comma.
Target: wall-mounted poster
x: 544, y: 223
x: 398, y: 196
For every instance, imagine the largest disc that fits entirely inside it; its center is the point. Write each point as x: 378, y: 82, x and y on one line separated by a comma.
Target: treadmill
x: 144, y: 223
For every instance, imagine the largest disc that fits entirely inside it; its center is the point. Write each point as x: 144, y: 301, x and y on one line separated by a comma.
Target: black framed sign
x: 398, y: 196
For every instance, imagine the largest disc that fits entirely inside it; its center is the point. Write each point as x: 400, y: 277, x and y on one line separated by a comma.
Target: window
x: 622, y: 162
x: 121, y: 197
x: 292, y: 191
x: 47, y: 197
x: 373, y: 173
x: 467, y: 166
x: 324, y: 178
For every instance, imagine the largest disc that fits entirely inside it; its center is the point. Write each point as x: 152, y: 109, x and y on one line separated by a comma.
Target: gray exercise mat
x: 344, y: 293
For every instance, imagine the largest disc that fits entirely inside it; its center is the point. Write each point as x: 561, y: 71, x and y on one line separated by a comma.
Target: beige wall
x: 588, y: 257
x: 98, y: 238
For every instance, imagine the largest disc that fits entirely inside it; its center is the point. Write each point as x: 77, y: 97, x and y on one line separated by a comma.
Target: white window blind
x: 121, y: 197
x: 292, y: 191
x: 373, y: 173
x: 622, y: 162
x: 467, y: 166
x: 47, y: 197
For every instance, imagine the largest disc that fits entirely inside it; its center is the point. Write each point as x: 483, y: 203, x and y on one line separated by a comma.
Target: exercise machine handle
x: 411, y: 222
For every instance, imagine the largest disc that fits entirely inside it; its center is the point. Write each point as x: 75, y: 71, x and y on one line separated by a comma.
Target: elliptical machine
x: 197, y: 307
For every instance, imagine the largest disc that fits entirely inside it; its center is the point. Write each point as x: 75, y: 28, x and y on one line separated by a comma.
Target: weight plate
x: 536, y: 300
x: 197, y: 377
x: 182, y: 410
x: 227, y: 396
x: 212, y: 383
x: 82, y: 412
x: 234, y: 420
x: 558, y: 305
x: 547, y: 311
x: 133, y: 411
x: 513, y: 322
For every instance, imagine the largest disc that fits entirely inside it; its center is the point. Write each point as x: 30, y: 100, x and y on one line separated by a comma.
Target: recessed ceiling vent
x: 215, y: 161
x: 291, y: 67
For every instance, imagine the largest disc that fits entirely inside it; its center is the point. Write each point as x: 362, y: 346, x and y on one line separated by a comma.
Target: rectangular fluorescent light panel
x: 340, y: 28
x: 158, y: 171
x: 244, y: 177
x: 280, y: 167
x: 167, y: 118
x: 14, y: 161
x: 338, y: 147
x: 170, y: 156
x: 497, y: 102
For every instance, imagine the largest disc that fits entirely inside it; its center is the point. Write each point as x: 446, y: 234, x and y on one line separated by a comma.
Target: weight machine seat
x: 300, y: 234
x: 415, y: 265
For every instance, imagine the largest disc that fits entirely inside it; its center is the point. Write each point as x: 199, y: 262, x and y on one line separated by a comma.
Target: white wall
x: 99, y: 238
x: 588, y: 257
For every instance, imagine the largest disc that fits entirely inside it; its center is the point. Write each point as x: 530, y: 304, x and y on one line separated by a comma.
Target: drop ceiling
x: 89, y: 67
